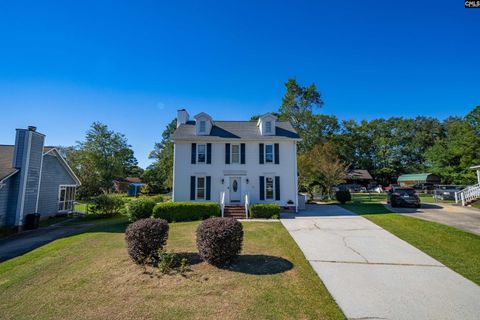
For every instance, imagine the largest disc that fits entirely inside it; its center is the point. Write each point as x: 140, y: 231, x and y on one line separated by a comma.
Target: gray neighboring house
x: 33, y: 179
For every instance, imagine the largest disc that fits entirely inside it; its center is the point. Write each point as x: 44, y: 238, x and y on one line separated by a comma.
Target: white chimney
x: 182, y: 117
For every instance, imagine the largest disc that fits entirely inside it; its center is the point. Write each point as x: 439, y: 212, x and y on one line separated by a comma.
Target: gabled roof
x: 6, y: 156
x: 359, y: 174
x: 415, y: 177
x: 230, y: 130
x: 129, y: 180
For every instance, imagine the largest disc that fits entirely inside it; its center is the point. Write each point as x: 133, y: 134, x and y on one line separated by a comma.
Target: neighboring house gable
x: 31, y: 177
x: 54, y: 174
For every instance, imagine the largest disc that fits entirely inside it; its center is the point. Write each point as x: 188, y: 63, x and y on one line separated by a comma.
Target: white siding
x: 251, y: 170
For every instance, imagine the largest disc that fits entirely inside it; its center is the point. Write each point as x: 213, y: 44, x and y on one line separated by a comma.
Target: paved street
x: 464, y: 218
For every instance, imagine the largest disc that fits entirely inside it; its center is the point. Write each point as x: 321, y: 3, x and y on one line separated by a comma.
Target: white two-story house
x: 235, y: 162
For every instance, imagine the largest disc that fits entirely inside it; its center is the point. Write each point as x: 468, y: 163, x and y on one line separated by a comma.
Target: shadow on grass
x: 257, y: 264
x: 260, y: 264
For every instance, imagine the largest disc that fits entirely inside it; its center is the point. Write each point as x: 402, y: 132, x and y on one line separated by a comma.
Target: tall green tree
x: 103, y: 156
x: 159, y: 175
x: 455, y: 152
x: 297, y: 106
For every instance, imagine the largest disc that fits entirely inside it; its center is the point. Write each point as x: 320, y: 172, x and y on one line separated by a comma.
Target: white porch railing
x: 247, y: 205
x: 222, y: 202
x: 468, y: 194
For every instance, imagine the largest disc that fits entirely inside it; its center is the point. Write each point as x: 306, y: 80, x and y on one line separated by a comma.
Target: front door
x: 235, y: 190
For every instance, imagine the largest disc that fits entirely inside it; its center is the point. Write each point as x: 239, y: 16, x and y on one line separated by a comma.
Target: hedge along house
x: 409, y: 180
x: 235, y: 163
x: 33, y: 179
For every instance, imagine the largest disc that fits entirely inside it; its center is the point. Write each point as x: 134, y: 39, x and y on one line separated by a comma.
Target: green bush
x: 157, y: 198
x: 141, y: 208
x: 265, y: 211
x: 186, y: 211
x: 343, y: 196
x: 107, y: 204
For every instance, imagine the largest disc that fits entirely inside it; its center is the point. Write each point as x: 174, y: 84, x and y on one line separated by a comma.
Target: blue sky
x: 131, y: 64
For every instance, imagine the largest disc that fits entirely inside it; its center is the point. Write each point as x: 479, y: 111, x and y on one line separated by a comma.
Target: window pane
x: 235, y: 153
x: 201, y: 153
x: 200, y: 188
x: 269, y: 187
x: 268, y: 153
x: 269, y: 127
x: 202, y: 126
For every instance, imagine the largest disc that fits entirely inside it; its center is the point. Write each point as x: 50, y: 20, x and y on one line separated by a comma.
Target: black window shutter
x: 192, y: 188
x: 242, y: 153
x: 194, y: 153
x: 277, y: 188
x: 277, y: 153
x: 209, y: 153
x: 209, y: 185
x: 227, y: 153
x: 260, y: 153
x: 262, y: 188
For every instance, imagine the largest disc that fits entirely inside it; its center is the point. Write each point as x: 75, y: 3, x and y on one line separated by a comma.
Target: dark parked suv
x: 446, y: 192
x: 403, y: 197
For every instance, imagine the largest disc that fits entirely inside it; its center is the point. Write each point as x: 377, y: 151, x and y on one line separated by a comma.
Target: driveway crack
x: 344, y: 239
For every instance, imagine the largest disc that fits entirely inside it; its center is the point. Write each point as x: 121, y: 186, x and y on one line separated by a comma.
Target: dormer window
x: 204, y: 124
x: 266, y: 124
x: 268, y: 127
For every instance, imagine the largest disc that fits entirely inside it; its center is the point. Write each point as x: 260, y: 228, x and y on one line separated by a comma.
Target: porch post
x: 478, y: 176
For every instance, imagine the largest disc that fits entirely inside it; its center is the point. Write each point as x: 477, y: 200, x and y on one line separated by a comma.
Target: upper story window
x: 201, y: 153
x: 203, y: 126
x: 269, y: 153
x: 268, y: 127
x: 235, y: 153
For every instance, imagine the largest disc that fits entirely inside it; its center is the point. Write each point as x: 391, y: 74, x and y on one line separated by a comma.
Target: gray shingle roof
x: 6, y: 157
x: 235, y: 130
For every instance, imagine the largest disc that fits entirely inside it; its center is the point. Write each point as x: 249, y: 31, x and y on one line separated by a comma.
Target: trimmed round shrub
x: 140, y: 209
x: 145, y: 238
x: 219, y: 240
x: 265, y: 211
x: 186, y: 211
x: 343, y: 196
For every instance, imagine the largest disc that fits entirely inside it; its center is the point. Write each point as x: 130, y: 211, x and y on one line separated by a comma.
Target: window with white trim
x: 203, y: 126
x: 269, y: 153
x: 268, y: 127
x: 269, y: 188
x: 201, y: 153
x: 200, y: 188
x: 66, y: 197
x: 235, y: 153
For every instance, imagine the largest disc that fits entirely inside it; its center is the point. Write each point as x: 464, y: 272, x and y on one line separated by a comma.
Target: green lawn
x: 90, y: 276
x: 382, y: 197
x: 456, y: 249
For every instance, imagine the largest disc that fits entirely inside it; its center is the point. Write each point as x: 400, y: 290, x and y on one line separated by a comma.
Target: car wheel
x: 393, y: 204
x: 418, y: 206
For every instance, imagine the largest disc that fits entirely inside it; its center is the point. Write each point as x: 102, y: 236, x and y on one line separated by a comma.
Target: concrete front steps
x: 234, y: 211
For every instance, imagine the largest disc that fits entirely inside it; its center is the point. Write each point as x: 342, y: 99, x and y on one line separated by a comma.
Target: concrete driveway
x: 372, y: 274
x: 464, y: 218
x: 24, y: 242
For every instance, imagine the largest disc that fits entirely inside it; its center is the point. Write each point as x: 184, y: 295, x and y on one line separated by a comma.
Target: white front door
x: 235, y: 189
